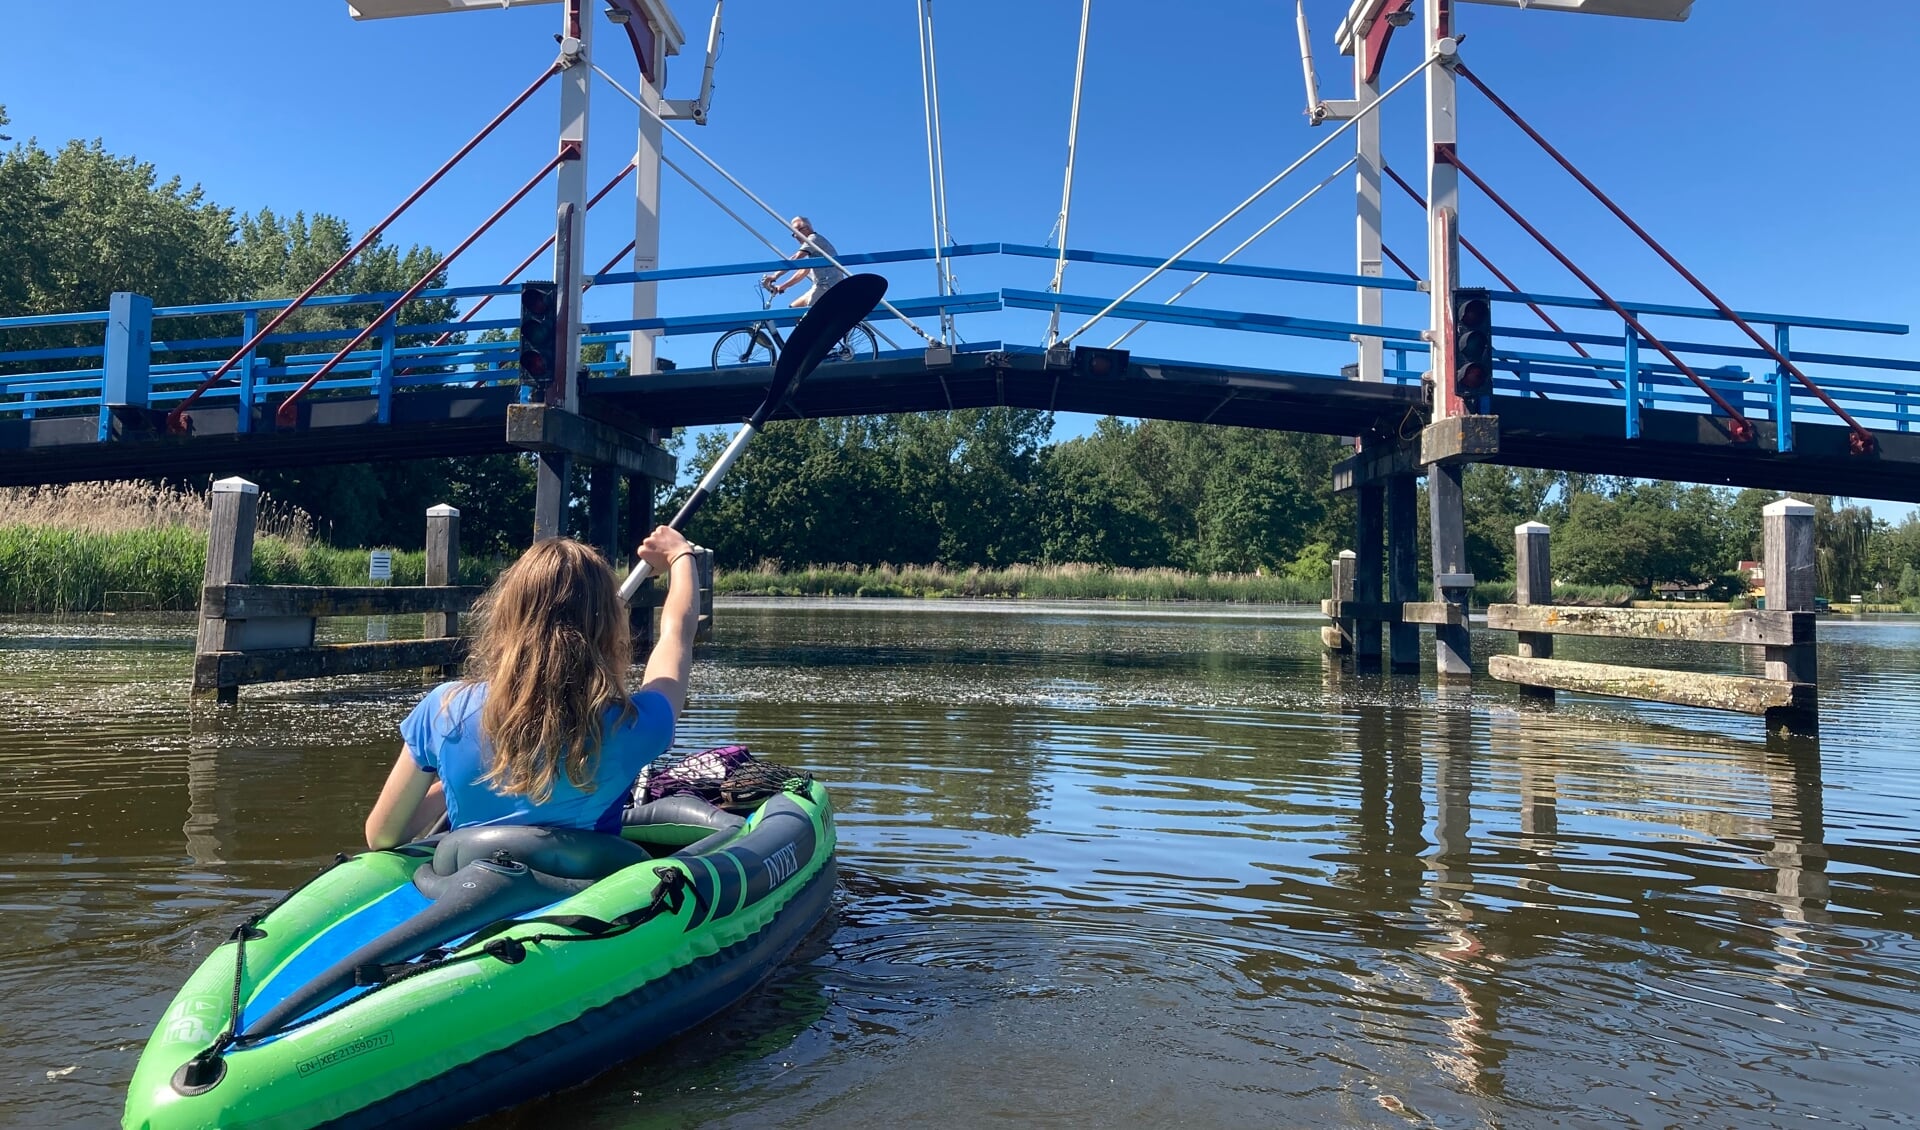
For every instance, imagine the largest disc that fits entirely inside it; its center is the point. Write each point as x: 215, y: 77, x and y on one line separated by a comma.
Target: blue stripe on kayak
x: 337, y: 941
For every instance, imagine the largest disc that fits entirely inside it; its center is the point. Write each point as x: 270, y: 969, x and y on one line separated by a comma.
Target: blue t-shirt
x: 443, y: 733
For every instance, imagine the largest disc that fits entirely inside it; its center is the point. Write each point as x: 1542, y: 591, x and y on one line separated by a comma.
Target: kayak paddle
x: 844, y: 305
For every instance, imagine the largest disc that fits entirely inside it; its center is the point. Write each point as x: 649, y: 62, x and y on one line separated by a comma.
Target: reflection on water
x: 1110, y: 865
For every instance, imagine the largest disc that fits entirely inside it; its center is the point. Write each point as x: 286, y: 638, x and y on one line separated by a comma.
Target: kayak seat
x: 561, y: 853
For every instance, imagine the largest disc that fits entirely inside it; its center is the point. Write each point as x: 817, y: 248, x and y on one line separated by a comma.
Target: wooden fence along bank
x: 265, y: 633
x: 1782, y: 634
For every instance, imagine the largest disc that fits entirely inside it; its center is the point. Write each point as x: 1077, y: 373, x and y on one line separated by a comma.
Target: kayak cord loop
x: 201, y: 1073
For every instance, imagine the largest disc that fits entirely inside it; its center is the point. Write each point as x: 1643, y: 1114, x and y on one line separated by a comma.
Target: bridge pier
x: 550, y: 488
x: 603, y: 515
x: 1452, y: 579
x: 1403, y: 568
x: 639, y: 524
x: 1368, y: 566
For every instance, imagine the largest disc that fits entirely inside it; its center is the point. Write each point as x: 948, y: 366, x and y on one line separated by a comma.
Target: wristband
x: 675, y: 559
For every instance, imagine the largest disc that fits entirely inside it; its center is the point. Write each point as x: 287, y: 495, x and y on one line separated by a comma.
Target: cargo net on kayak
x: 729, y: 777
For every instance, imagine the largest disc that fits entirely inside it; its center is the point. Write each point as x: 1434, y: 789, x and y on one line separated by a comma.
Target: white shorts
x: 807, y: 299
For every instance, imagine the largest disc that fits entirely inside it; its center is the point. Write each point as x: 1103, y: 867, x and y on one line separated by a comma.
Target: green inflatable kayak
x: 430, y: 984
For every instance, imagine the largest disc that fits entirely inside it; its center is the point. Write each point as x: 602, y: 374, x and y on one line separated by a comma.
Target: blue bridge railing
x: 125, y: 357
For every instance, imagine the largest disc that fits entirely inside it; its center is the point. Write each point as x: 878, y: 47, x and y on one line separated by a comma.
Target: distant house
x: 1755, y: 577
x: 1679, y: 590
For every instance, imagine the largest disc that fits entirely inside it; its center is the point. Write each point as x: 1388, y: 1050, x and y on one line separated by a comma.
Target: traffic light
x: 539, y: 333
x: 1091, y: 362
x: 1472, y: 342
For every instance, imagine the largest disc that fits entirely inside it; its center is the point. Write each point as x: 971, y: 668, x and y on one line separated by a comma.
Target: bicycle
x: 760, y: 343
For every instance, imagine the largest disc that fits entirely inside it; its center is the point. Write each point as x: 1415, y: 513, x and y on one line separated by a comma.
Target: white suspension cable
x: 751, y: 230
x: 732, y: 180
x: 1244, y: 244
x: 1369, y: 108
x: 1066, y: 188
x: 936, y: 158
x: 704, y: 191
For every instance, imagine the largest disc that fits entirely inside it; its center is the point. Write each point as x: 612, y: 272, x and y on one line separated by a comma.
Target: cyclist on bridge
x: 812, y: 245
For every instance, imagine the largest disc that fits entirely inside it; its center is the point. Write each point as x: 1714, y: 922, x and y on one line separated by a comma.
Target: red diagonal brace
x: 1488, y: 264
x: 1861, y: 441
x: 528, y: 261
x: 1741, y: 427
x: 177, y: 419
x: 287, y: 415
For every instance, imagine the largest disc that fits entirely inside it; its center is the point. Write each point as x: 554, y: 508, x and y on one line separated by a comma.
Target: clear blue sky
x: 1770, y: 143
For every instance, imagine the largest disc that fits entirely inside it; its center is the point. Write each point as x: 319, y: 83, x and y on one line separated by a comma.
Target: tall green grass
x: 51, y: 570
x: 1030, y: 582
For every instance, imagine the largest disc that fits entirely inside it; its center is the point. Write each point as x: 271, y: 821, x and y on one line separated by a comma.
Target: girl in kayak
x: 543, y: 729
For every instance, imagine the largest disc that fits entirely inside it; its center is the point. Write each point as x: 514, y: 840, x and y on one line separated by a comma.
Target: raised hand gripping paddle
x: 828, y: 320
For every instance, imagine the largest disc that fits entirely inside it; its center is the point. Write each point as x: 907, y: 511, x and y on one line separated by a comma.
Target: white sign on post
x: 379, y: 568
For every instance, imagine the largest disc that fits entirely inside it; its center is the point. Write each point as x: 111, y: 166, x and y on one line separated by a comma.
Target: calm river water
x: 1101, y: 866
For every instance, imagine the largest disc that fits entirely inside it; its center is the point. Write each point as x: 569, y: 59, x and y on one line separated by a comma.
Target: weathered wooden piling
x: 229, y: 562
x: 1788, y: 560
x: 443, y: 569
x: 1786, y: 696
x: 1532, y: 586
x: 1337, y: 637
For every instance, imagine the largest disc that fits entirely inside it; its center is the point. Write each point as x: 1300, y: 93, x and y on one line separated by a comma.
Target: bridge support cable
x: 747, y: 192
x: 1360, y: 116
x: 1244, y: 244
x: 1066, y: 188
x: 287, y: 415
x: 1741, y: 427
x: 177, y: 419
x: 778, y: 251
x: 1860, y: 441
x: 936, y: 162
x: 1399, y: 262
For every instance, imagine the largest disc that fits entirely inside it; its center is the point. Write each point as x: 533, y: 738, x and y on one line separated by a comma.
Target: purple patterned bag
x: 702, y: 774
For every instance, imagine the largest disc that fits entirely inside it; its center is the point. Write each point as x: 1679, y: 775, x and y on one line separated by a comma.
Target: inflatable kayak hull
x: 356, y: 1012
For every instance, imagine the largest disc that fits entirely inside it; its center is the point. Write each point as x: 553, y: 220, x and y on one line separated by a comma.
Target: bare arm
x: 671, y: 662
x: 779, y: 287
x: 403, y: 806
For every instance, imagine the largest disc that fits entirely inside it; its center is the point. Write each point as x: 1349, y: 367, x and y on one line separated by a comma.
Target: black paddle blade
x: 844, y: 305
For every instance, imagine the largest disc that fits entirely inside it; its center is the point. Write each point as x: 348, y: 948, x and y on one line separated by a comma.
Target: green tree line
x: 78, y: 223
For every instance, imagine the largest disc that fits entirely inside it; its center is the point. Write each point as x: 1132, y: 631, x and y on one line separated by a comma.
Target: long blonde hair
x: 553, y: 648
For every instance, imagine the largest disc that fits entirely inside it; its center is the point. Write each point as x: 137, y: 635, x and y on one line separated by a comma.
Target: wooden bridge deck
x: 1553, y: 434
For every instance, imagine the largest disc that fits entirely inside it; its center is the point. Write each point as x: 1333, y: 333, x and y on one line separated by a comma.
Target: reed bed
x: 122, y: 547
x: 125, y: 507
x: 1028, y: 582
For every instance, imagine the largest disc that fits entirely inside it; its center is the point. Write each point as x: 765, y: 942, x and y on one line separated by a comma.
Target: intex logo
x: 345, y: 1052
x: 781, y: 865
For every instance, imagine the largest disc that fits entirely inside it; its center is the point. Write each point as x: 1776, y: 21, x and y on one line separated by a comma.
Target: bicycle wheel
x: 858, y: 345
x: 746, y: 345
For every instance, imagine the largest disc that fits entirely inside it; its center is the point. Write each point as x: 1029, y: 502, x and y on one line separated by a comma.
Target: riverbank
x: 1020, y: 582
x: 1085, y: 582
